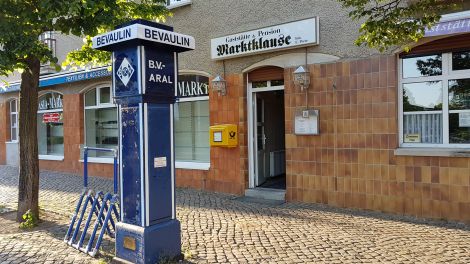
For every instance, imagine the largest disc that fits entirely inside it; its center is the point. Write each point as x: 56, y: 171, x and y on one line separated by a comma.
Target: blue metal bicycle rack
x: 103, y: 208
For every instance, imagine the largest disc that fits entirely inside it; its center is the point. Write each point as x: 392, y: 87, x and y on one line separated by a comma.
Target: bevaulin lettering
x: 113, y: 36
x: 167, y: 37
x: 253, y: 45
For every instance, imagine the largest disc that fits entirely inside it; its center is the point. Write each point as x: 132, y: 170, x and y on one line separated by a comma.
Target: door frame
x: 252, y: 166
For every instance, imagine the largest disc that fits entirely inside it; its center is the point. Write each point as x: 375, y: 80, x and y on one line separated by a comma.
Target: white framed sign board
x: 306, y: 122
x: 177, y: 3
x: 279, y: 37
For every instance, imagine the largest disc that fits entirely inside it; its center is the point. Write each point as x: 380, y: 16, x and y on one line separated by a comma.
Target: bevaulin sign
x: 285, y: 36
x: 143, y: 32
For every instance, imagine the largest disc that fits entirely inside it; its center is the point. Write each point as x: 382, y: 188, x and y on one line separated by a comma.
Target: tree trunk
x: 28, y: 186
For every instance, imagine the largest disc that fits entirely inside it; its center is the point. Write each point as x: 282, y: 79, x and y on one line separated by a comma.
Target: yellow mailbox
x: 224, y: 136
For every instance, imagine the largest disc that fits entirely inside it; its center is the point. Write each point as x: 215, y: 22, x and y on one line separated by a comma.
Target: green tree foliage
x: 22, y: 22
x: 388, y: 23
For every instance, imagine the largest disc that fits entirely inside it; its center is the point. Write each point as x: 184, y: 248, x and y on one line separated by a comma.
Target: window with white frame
x: 435, y: 100
x: 13, y: 120
x: 192, y: 119
x: 50, y: 125
x: 101, y: 126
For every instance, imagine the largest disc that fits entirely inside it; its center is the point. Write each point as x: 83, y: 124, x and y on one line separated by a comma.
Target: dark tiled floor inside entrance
x: 278, y: 182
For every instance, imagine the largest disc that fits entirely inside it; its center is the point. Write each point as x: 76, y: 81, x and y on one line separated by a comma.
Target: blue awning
x: 62, y: 78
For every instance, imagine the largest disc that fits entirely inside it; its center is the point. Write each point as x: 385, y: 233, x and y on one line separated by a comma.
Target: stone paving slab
x: 219, y: 228
x: 42, y: 244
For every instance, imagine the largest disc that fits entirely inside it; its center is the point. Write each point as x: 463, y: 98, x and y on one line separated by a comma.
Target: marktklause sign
x: 177, y: 3
x: 192, y: 86
x: 285, y: 36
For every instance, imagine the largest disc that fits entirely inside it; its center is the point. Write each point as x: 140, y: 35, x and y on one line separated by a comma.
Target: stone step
x: 265, y: 193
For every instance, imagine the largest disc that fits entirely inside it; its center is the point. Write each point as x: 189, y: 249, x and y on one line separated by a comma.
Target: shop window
x: 435, y: 100
x: 50, y: 125
x: 13, y: 107
x: 192, y: 119
x: 101, y: 126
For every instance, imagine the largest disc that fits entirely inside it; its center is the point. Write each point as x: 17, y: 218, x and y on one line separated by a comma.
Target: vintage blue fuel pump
x: 145, y: 67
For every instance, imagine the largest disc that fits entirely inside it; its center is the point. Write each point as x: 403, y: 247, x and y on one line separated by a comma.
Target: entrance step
x: 265, y: 193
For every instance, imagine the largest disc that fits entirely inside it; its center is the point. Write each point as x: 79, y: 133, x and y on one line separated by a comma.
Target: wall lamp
x: 302, y: 78
x: 219, y: 84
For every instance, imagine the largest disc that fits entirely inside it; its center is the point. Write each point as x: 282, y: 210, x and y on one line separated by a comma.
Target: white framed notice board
x: 306, y: 122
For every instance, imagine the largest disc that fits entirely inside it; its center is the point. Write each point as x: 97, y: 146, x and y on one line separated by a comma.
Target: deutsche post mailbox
x: 224, y: 136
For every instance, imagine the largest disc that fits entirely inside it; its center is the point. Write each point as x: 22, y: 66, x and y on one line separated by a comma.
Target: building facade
x: 387, y: 132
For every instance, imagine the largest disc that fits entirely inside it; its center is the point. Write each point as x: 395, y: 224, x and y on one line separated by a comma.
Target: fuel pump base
x: 152, y: 244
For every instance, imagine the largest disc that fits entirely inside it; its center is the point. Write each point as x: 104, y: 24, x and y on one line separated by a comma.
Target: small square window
x: 459, y: 128
x: 14, y: 120
x: 14, y: 134
x: 459, y: 94
x: 277, y: 83
x: 262, y: 84
x: 105, y: 95
x: 90, y: 98
x: 461, y: 60
x: 13, y: 106
x: 422, y: 96
x: 422, y: 66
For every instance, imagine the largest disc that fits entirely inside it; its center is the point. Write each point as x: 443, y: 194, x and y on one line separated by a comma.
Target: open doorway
x: 270, y: 140
x: 268, y: 135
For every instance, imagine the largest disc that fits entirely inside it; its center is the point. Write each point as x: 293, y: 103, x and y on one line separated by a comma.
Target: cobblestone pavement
x: 218, y: 228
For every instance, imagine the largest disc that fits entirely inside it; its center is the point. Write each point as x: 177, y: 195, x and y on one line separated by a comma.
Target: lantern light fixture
x: 219, y: 85
x: 302, y: 77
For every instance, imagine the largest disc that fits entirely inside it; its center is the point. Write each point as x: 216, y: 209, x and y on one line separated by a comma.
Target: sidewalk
x: 218, y: 228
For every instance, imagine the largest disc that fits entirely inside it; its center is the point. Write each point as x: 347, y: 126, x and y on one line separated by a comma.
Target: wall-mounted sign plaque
x: 412, y: 138
x: 306, y: 122
x: 285, y: 36
x: 177, y: 3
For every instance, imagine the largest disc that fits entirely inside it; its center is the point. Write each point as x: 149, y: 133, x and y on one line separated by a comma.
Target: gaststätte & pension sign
x: 143, y: 32
x: 170, y: 4
x: 285, y: 36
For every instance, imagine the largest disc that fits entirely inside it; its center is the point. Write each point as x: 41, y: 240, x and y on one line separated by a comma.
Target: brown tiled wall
x: 352, y: 162
x: 225, y: 172
x: 3, y: 128
x: 191, y: 178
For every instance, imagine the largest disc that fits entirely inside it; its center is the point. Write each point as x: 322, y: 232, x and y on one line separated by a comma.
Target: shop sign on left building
x: 51, y: 118
x: 50, y: 101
